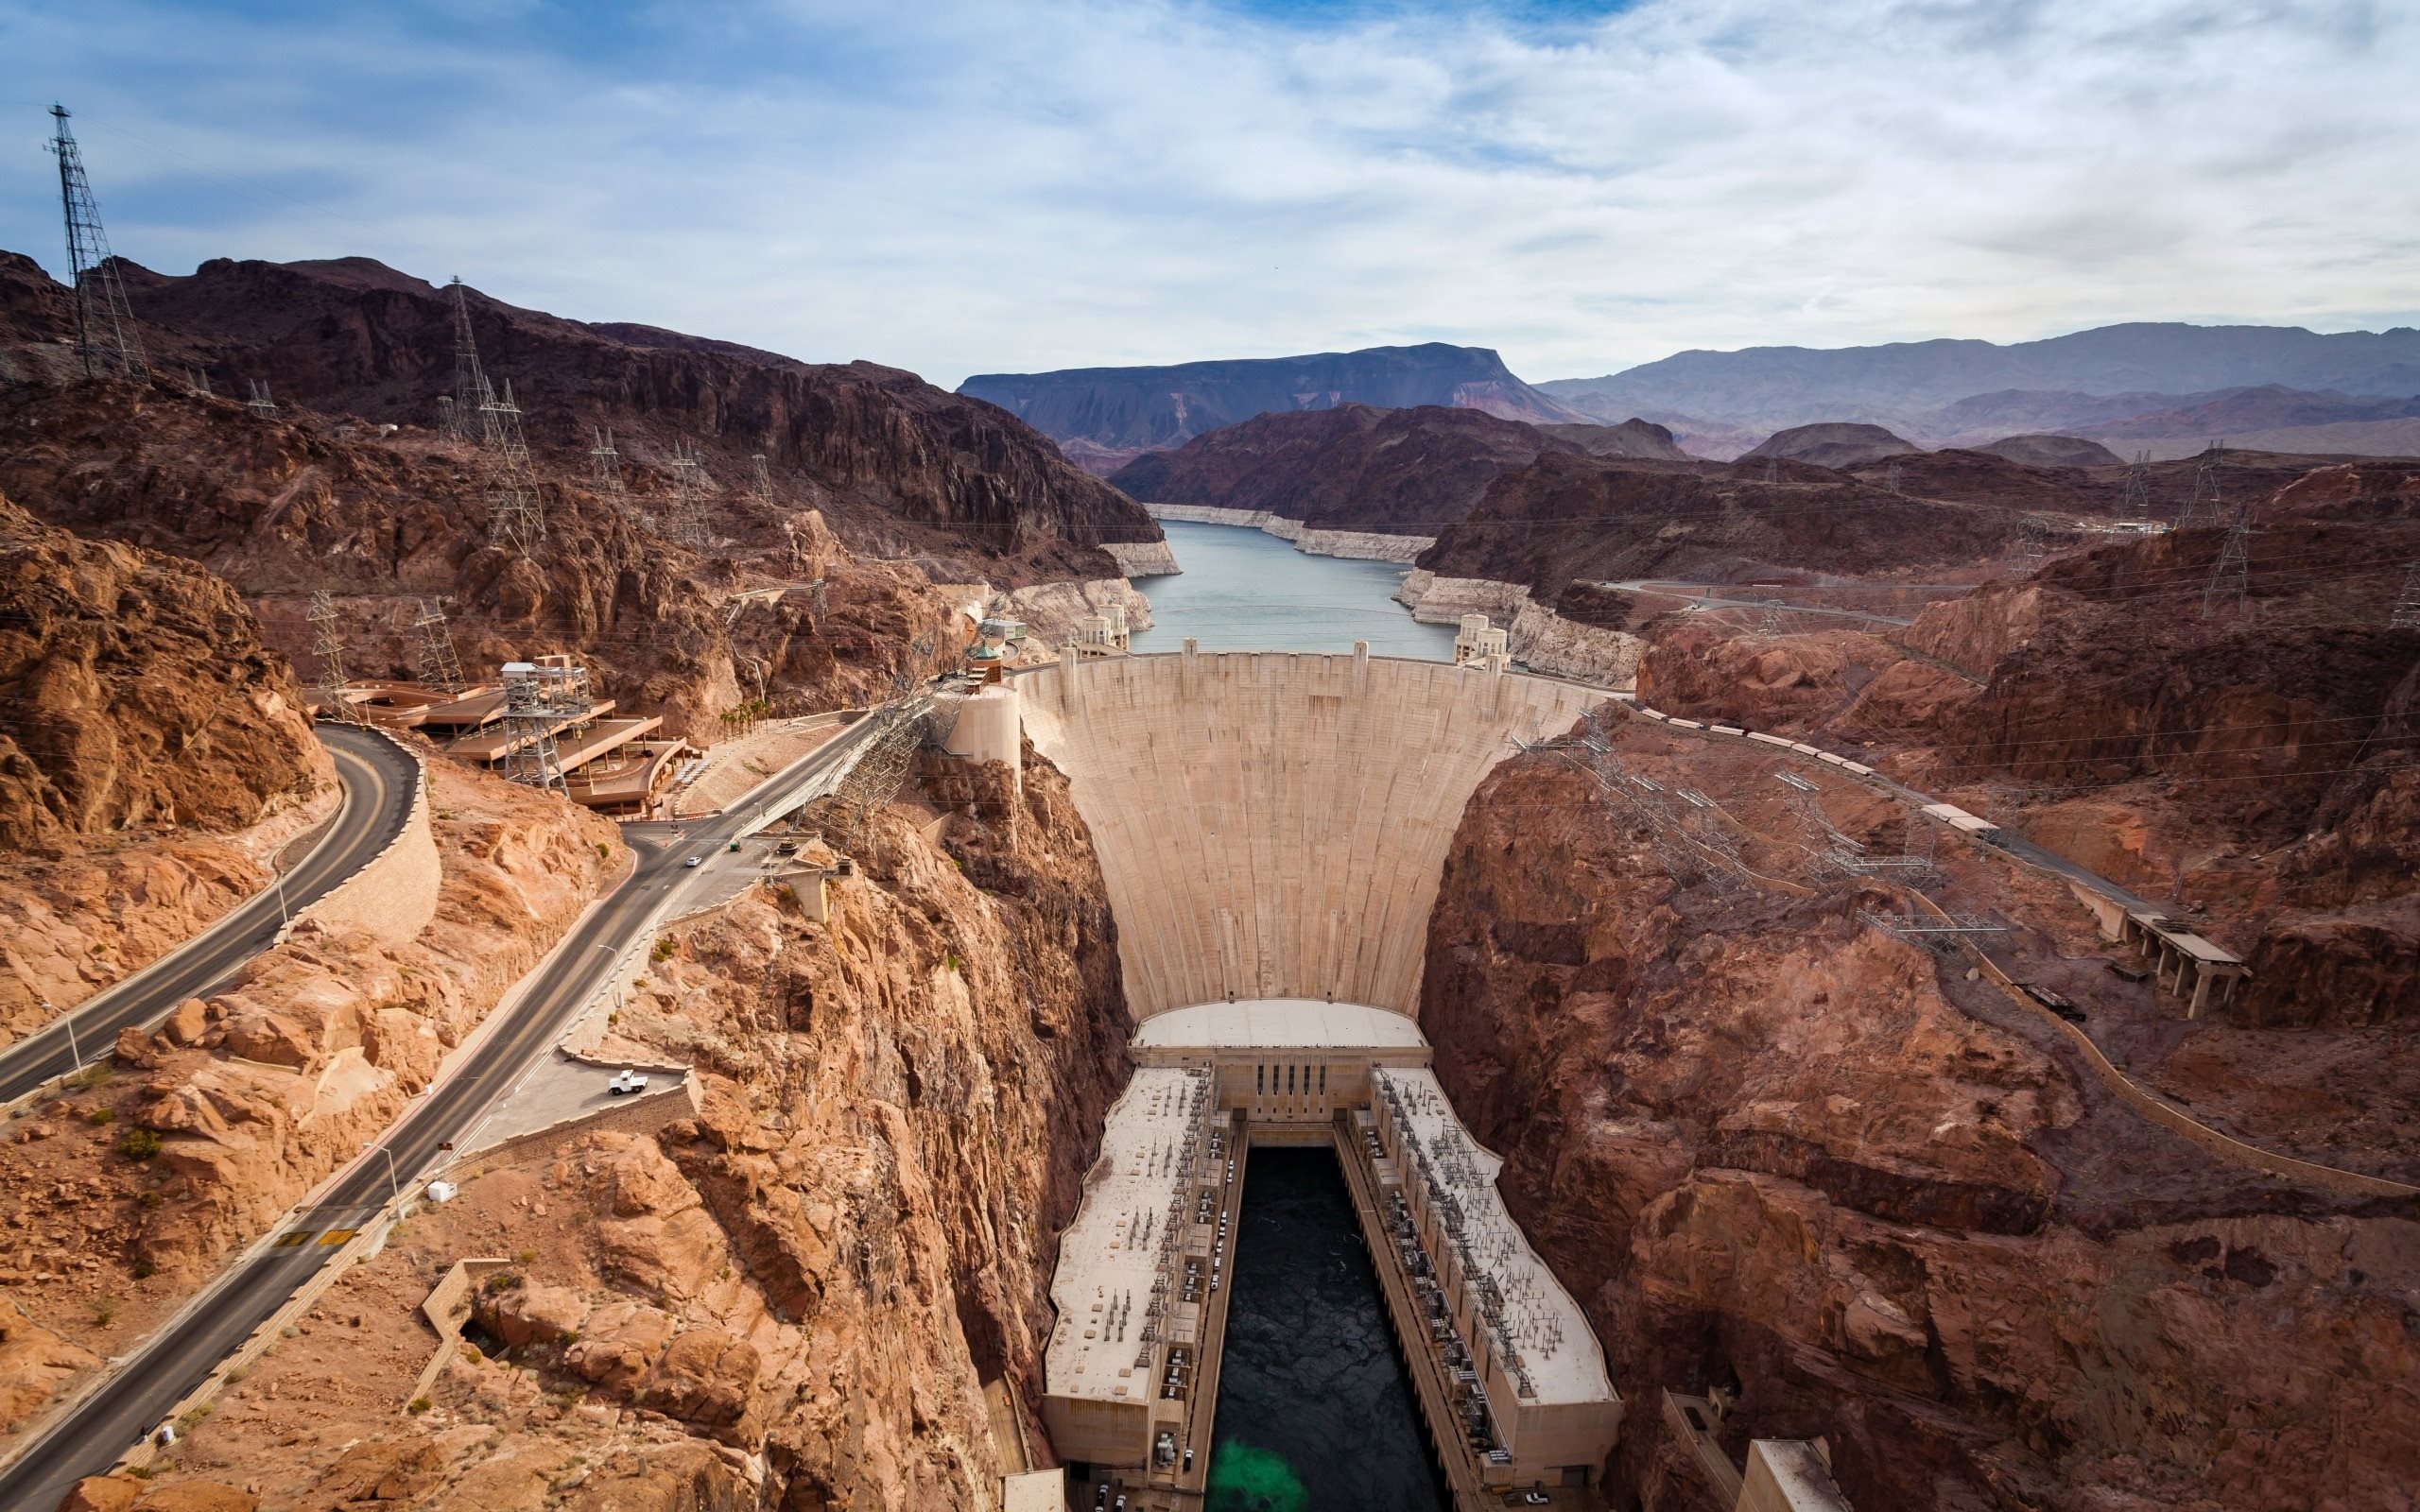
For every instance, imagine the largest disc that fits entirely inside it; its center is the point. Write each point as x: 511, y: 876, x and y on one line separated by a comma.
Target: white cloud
x: 963, y: 186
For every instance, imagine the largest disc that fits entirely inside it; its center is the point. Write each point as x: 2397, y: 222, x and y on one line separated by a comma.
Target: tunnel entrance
x: 1315, y: 1410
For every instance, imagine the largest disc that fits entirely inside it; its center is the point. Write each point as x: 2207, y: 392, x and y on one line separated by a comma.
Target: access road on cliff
x: 380, y: 779
x: 132, y: 1402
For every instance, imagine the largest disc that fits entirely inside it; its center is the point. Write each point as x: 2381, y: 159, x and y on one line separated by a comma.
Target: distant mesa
x: 1359, y: 468
x: 1091, y: 411
x: 2052, y: 451
x: 1833, y: 445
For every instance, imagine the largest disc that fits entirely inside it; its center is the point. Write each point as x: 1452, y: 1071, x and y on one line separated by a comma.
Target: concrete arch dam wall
x: 1274, y: 824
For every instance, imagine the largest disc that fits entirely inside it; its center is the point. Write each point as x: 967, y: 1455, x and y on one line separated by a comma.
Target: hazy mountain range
x: 2162, y: 387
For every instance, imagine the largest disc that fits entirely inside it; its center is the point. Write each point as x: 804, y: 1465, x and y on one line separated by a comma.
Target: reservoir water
x: 1315, y: 1412
x: 1243, y: 591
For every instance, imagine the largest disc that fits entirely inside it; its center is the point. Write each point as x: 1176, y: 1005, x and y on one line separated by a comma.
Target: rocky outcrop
x: 1352, y: 468
x: 1144, y: 408
x: 136, y: 692
x: 1636, y: 439
x: 1772, y: 1150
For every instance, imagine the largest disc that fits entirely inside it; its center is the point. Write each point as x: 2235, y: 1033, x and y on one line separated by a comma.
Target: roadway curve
x: 380, y: 779
x: 130, y: 1402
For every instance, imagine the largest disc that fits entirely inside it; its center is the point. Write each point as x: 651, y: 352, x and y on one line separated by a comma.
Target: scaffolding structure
x: 106, y: 340
x: 439, y: 666
x: 260, y: 403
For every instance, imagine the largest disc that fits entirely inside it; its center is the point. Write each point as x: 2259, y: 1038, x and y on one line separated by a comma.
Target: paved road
x: 1698, y: 593
x: 378, y: 778
x: 133, y: 1403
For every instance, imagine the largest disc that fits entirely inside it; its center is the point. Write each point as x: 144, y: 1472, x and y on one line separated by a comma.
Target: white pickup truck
x: 624, y: 1082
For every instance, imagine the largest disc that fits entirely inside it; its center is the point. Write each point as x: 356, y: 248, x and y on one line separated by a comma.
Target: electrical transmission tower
x: 1772, y: 470
x: 106, y: 337
x: 460, y: 414
x: 688, y: 489
x: 2206, y: 506
x: 1686, y: 856
x: 2032, y: 538
x: 260, y: 403
x: 606, y: 464
x: 762, y: 487
x: 2230, y: 582
x: 329, y: 646
x: 2136, y: 505
x: 2407, y: 603
x: 439, y: 666
x: 1891, y: 477
x: 516, y: 515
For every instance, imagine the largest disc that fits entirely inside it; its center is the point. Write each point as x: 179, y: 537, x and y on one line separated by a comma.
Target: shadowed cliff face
x: 1350, y: 468
x: 895, y: 464
x: 1769, y: 1146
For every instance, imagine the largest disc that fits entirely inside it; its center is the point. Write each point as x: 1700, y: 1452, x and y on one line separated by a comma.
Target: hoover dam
x: 1271, y: 827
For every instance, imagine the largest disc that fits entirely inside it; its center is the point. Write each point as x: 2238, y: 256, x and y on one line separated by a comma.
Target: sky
x: 959, y: 186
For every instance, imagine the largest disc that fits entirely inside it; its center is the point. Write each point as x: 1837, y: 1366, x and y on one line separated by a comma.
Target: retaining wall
x: 394, y: 896
x: 1274, y: 824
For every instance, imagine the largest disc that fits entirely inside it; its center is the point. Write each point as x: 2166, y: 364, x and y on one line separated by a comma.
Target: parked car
x: 624, y: 1082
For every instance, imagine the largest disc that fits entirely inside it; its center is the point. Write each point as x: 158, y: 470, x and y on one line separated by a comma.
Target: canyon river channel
x: 1244, y: 591
x: 1315, y: 1412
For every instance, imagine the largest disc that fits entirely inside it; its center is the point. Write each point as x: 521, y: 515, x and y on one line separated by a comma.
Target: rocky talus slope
x: 153, y: 757
x: 1772, y: 1149
x: 797, y: 1298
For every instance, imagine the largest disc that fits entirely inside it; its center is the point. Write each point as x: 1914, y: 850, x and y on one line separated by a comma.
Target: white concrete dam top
x: 1279, y: 1023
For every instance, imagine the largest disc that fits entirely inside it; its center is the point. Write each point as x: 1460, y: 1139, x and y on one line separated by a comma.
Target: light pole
x: 394, y: 1187
x: 75, y: 1051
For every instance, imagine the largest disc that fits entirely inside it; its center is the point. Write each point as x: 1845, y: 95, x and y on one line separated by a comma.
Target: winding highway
x: 379, y: 778
x: 133, y: 1401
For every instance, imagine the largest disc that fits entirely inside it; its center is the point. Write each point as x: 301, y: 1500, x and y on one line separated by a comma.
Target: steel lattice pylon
x: 2136, y: 505
x: 516, y: 515
x: 683, y: 525
x: 439, y: 666
x: 2207, y: 506
x: 606, y: 465
x: 2407, y: 603
x: 107, y: 339
x: 329, y: 646
x: 462, y: 414
x: 2230, y: 582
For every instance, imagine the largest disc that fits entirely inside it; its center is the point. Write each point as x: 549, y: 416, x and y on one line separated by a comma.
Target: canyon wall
x: 1272, y: 824
x: 1775, y: 1151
